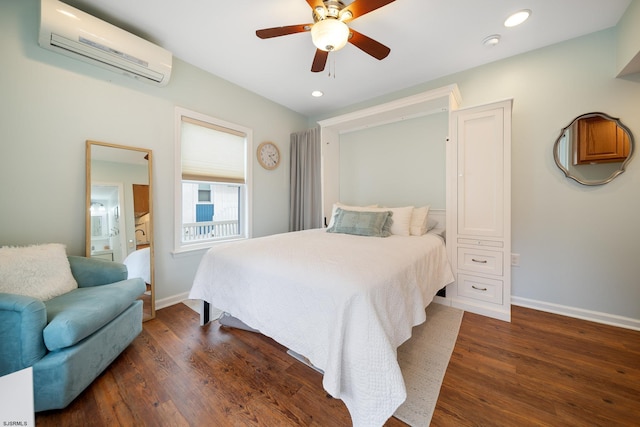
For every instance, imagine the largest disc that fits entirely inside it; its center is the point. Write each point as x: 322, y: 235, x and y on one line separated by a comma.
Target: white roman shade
x: 212, y: 153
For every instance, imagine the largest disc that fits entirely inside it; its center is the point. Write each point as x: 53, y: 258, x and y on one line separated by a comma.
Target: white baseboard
x: 498, y: 312
x: 172, y: 300
x: 578, y: 313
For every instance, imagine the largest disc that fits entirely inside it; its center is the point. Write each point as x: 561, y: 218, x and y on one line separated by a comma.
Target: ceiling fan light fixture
x: 330, y: 34
x: 345, y: 15
x: 320, y: 13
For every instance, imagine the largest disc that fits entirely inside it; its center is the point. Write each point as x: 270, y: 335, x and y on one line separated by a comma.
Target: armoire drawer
x: 477, y: 242
x: 480, y: 288
x: 480, y: 261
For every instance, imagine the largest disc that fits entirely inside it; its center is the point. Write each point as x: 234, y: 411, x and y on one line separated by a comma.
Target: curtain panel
x: 305, y: 205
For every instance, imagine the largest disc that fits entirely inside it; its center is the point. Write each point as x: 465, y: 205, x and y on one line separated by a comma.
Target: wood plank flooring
x: 539, y: 370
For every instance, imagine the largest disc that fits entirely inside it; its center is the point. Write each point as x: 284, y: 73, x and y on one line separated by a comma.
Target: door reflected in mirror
x: 119, y: 224
x: 593, y: 149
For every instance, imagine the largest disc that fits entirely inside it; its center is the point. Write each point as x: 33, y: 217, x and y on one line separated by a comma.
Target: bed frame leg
x: 205, y: 315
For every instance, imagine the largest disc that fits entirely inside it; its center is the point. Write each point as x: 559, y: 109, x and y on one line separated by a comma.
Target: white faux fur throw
x: 39, y: 271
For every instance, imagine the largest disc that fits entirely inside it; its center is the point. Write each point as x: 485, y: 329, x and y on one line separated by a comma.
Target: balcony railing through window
x: 206, y: 230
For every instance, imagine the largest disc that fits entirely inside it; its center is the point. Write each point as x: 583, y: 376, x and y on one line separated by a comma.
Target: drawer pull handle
x: 480, y: 261
x: 478, y: 289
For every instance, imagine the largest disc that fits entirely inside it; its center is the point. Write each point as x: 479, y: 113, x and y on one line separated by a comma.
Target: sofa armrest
x: 96, y: 272
x: 22, y: 320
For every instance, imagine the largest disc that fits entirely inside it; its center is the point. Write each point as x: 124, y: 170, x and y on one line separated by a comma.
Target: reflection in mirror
x: 593, y: 149
x: 119, y: 212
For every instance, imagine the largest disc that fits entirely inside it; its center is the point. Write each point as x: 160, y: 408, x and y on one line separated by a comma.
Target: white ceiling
x: 428, y: 39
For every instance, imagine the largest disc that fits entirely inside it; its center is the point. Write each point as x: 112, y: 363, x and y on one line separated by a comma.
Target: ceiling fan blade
x: 362, y: 7
x: 267, y: 33
x: 368, y: 45
x: 319, y: 61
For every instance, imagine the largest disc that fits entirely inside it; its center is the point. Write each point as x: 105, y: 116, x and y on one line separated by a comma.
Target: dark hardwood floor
x: 539, y: 370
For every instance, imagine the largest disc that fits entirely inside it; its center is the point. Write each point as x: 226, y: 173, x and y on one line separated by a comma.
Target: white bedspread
x: 139, y: 264
x: 345, y: 302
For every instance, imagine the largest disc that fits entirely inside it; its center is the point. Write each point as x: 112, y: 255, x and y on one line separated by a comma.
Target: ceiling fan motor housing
x: 331, y: 9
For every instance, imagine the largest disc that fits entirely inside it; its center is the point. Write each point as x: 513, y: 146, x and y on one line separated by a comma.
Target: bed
x: 139, y: 264
x: 345, y: 302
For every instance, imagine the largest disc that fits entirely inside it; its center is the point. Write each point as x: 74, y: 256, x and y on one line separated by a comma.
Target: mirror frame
x: 614, y: 174
x: 89, y: 144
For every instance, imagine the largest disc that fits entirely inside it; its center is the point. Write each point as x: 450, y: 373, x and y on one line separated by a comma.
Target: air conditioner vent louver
x: 76, y: 34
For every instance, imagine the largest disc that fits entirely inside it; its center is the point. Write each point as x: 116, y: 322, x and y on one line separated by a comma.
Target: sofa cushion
x: 76, y: 315
x: 38, y: 271
x: 96, y: 271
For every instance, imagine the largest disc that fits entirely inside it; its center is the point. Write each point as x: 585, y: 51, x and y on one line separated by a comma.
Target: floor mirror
x: 119, y: 214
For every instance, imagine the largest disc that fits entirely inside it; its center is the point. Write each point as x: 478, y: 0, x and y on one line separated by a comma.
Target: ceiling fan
x: 330, y: 32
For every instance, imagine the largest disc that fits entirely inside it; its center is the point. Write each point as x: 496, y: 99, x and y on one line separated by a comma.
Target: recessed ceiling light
x: 317, y: 93
x: 517, y: 18
x: 491, y: 40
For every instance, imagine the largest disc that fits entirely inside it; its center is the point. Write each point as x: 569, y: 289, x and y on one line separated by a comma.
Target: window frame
x: 245, y: 216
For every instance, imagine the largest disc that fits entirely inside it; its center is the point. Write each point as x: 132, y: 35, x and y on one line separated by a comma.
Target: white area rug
x: 424, y: 359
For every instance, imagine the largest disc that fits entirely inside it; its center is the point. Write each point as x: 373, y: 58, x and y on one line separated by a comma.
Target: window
x: 212, y: 181
x: 204, y: 192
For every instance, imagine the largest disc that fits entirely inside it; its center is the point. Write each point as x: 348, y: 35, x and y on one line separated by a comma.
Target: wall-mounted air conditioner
x: 74, y: 33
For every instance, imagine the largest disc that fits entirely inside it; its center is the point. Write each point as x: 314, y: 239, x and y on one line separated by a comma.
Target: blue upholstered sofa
x: 70, y: 339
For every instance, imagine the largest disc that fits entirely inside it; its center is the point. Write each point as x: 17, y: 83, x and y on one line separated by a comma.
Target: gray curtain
x: 305, y: 203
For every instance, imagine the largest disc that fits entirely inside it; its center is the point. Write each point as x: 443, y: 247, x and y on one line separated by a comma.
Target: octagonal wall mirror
x: 119, y: 212
x: 593, y: 149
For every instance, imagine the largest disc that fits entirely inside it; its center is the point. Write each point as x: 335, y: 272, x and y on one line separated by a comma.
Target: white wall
x: 51, y: 104
x: 579, y: 246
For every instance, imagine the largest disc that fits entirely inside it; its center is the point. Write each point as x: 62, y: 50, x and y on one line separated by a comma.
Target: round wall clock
x: 268, y: 155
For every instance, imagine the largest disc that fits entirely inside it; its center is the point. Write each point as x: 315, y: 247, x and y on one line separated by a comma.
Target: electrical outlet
x: 515, y: 260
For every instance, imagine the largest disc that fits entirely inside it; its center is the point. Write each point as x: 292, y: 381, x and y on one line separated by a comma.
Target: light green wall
x: 51, y: 104
x: 579, y: 246
x: 397, y: 164
x: 628, y: 47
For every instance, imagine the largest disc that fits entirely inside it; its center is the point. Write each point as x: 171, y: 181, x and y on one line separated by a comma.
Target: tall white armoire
x: 479, y: 209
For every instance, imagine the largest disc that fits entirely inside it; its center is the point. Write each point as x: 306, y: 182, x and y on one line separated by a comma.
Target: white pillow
x: 38, y: 271
x: 346, y: 208
x: 419, y: 221
x: 401, y: 220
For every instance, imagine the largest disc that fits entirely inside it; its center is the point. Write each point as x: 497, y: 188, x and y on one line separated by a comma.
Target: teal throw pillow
x: 362, y: 223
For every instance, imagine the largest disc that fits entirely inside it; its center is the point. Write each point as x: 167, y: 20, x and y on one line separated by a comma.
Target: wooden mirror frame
x: 124, y: 154
x: 570, y: 155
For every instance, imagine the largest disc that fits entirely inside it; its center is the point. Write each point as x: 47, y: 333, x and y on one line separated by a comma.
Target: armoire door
x: 480, y: 173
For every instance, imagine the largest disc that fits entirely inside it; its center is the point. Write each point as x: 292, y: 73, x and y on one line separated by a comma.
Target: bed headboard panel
x: 428, y: 103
